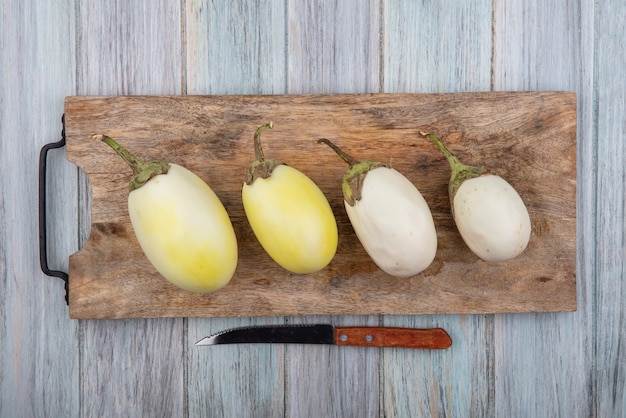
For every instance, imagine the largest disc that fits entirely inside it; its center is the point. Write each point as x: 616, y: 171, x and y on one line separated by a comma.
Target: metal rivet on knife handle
x: 431, y: 338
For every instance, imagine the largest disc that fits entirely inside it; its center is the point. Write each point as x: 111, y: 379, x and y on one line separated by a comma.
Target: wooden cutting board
x: 528, y: 138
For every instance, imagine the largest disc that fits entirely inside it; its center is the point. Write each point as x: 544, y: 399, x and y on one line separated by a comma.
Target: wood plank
x: 531, y: 53
x: 133, y: 367
x: 610, y: 269
x: 439, y: 47
x: 434, y: 48
x: 234, y: 380
x: 234, y: 48
x: 452, y: 382
x: 129, y: 48
x: 333, y: 381
x: 36, y: 378
x: 480, y: 126
x: 39, y: 366
x: 333, y: 48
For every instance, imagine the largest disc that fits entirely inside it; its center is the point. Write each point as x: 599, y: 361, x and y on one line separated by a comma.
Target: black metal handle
x: 43, y: 245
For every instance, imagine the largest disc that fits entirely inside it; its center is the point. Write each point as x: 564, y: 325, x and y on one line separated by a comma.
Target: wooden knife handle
x: 433, y: 338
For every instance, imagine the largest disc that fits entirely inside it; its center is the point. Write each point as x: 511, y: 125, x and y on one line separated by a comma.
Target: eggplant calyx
x: 352, y: 185
x: 261, y: 168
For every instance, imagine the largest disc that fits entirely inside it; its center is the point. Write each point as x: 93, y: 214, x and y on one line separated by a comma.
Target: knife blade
x: 428, y: 338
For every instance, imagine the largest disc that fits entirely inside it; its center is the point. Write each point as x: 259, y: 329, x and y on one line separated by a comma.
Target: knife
x: 432, y: 338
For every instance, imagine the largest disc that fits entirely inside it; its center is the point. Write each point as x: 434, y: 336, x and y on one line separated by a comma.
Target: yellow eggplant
x: 180, y: 223
x: 289, y: 214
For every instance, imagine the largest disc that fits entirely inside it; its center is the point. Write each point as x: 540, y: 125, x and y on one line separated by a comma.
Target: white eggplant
x: 289, y: 214
x: 180, y: 224
x: 489, y: 213
x: 389, y: 215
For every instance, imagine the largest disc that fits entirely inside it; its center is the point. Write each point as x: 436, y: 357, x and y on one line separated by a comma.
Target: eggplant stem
x: 460, y: 171
x: 258, y: 150
x: 452, y: 159
x: 344, y: 156
x: 133, y: 162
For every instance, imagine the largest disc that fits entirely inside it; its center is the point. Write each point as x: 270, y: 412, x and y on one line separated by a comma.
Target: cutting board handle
x: 43, y: 233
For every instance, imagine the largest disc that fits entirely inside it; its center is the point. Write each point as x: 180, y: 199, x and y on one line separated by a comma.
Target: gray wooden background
x: 532, y: 365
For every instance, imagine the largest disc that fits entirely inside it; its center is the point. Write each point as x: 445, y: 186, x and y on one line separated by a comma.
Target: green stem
x: 142, y: 172
x: 455, y: 164
x: 258, y: 150
x: 346, y: 157
x: 460, y: 171
x: 354, y: 178
x: 133, y: 162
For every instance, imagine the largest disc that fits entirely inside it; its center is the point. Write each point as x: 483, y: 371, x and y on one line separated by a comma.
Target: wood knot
x: 335, y: 281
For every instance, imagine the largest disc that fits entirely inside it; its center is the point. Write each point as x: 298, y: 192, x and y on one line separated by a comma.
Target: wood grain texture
x: 39, y: 354
x: 330, y: 380
x: 333, y: 48
x: 134, y: 367
x: 235, y: 48
x: 499, y: 365
x: 234, y: 380
x: 429, y: 338
x: 109, y: 274
x: 431, y: 47
x: 529, y: 53
x: 428, y: 47
x: 129, y: 48
x: 610, y: 269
